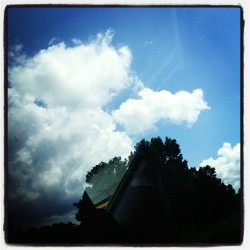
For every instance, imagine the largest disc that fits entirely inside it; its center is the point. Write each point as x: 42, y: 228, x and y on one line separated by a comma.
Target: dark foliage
x: 85, y: 208
x: 98, y: 228
x: 192, y: 206
x: 196, y: 205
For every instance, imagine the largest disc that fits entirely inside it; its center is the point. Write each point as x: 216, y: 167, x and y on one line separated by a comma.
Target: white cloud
x: 57, y: 128
x: 76, y: 41
x: 83, y: 75
x: 139, y: 115
x: 227, y: 164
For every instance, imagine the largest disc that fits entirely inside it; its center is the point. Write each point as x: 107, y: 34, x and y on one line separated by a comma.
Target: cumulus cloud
x: 139, y: 115
x: 83, y: 75
x: 227, y: 164
x: 57, y: 128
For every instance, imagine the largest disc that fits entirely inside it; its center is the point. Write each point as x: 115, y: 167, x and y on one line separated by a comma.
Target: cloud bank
x: 140, y: 115
x: 227, y: 164
x: 58, y: 128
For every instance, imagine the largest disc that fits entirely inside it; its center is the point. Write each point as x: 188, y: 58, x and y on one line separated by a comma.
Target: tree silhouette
x: 193, y: 201
x: 85, y: 208
x: 191, y: 205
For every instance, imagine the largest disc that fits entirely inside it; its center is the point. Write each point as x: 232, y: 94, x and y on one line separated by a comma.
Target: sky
x: 87, y: 84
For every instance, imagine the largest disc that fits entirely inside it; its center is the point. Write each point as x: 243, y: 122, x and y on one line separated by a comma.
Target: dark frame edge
x: 5, y: 111
x: 242, y: 205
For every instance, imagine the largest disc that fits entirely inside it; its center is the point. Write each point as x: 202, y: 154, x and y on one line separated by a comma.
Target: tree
x: 91, y: 174
x: 192, y: 201
x: 85, y: 208
x: 164, y: 153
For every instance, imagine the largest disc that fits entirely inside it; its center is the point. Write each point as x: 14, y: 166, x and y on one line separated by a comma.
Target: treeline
x: 193, y: 205
x: 196, y: 205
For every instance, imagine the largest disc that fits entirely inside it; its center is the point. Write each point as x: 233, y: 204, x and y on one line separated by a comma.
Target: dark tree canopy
x: 194, y: 200
x: 165, y: 153
x: 192, y: 204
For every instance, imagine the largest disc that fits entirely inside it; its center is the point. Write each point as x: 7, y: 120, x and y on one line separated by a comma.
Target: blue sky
x: 160, y: 52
